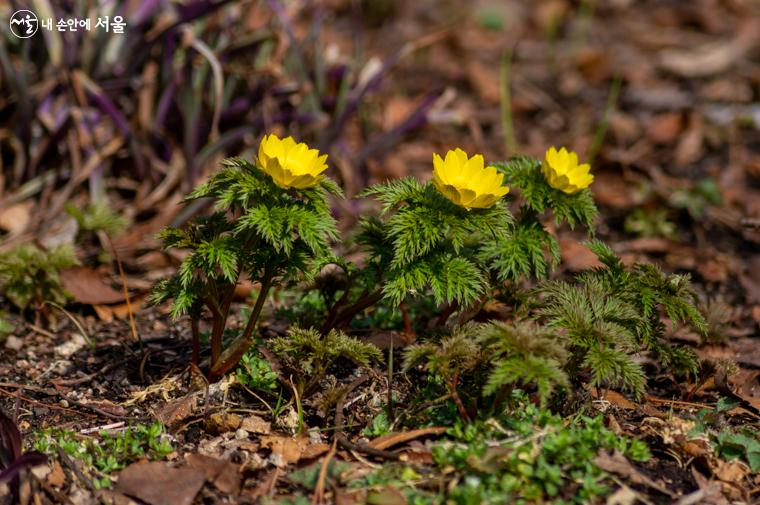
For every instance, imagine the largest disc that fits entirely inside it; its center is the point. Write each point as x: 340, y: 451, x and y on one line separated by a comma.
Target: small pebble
x: 14, y: 343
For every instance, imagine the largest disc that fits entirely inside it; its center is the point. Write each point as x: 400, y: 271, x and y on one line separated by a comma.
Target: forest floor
x: 677, y: 183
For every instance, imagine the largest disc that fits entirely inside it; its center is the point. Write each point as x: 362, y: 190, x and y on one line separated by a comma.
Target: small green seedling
x: 307, y: 355
x: 109, y: 452
x: 29, y: 277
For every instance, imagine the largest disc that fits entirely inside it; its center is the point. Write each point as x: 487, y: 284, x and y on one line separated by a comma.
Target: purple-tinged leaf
x: 10, y: 437
x: 26, y: 460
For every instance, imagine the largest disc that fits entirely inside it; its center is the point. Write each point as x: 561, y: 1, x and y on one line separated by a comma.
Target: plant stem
x: 195, y: 330
x: 457, y: 400
x: 231, y: 356
x: 601, y: 130
x: 506, y: 103
x: 344, y: 317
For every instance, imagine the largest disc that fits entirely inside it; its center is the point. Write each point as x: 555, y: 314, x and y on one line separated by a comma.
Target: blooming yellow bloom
x: 289, y: 164
x: 563, y: 172
x: 465, y: 182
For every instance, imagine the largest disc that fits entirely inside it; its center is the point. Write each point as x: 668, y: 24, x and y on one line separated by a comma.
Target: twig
x: 73, y: 320
x: 319, y: 489
x: 420, y: 408
x: 98, y: 429
x: 66, y: 460
x: 342, y: 440
x: 299, y: 407
x: 125, y: 287
x: 43, y: 404
x: 390, y: 381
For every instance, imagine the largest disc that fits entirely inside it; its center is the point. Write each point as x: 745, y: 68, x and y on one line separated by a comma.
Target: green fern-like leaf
x: 524, y: 173
x: 523, y: 354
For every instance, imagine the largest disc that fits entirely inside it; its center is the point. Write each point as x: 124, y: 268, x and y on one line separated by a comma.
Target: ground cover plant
x: 380, y: 252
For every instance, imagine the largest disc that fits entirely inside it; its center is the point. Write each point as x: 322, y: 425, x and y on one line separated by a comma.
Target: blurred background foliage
x: 136, y: 116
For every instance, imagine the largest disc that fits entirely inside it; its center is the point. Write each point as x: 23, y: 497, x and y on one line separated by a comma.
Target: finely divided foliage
x: 434, y: 243
x: 258, y: 230
x: 613, y: 312
x: 424, y: 243
x: 525, y: 173
x: 523, y: 353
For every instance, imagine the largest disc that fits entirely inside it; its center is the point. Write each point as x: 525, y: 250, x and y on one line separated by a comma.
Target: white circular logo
x: 24, y: 24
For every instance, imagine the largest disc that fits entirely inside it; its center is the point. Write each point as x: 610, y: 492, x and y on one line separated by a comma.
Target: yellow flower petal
x: 465, y: 181
x: 290, y: 164
x: 562, y: 171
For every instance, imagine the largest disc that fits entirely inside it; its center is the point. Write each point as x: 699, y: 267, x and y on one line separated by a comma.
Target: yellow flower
x: 291, y: 165
x: 563, y: 172
x: 465, y: 182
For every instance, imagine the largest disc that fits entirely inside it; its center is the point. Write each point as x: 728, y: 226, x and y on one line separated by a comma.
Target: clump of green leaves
x: 428, y: 242
x: 29, y: 276
x: 697, y: 198
x: 424, y: 243
x: 451, y: 358
x: 742, y: 444
x: 108, y: 453
x: 6, y: 327
x: 255, y: 371
x: 653, y: 223
x: 259, y: 231
x: 492, y: 359
x: 613, y: 312
x: 533, y: 456
x: 307, y: 354
x: 523, y: 354
x: 98, y: 216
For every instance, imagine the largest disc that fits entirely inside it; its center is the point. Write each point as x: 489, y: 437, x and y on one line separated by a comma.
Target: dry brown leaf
x: 618, y: 464
x: 485, y: 80
x: 393, y: 439
x: 665, y: 128
x: 175, y: 411
x: 732, y: 473
x: 615, y: 399
x: 89, y: 286
x: 613, y: 424
x: 257, y: 425
x: 15, y: 218
x: 222, y: 422
x: 549, y: 13
x: 576, y: 256
x: 624, y: 496
x: 689, y: 148
x: 119, y: 311
x: 755, y: 312
x: 56, y: 477
x: 223, y: 474
x: 612, y: 190
x: 712, y: 58
x: 289, y: 449
x: 395, y: 111
x: 312, y: 451
x: 158, y: 483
